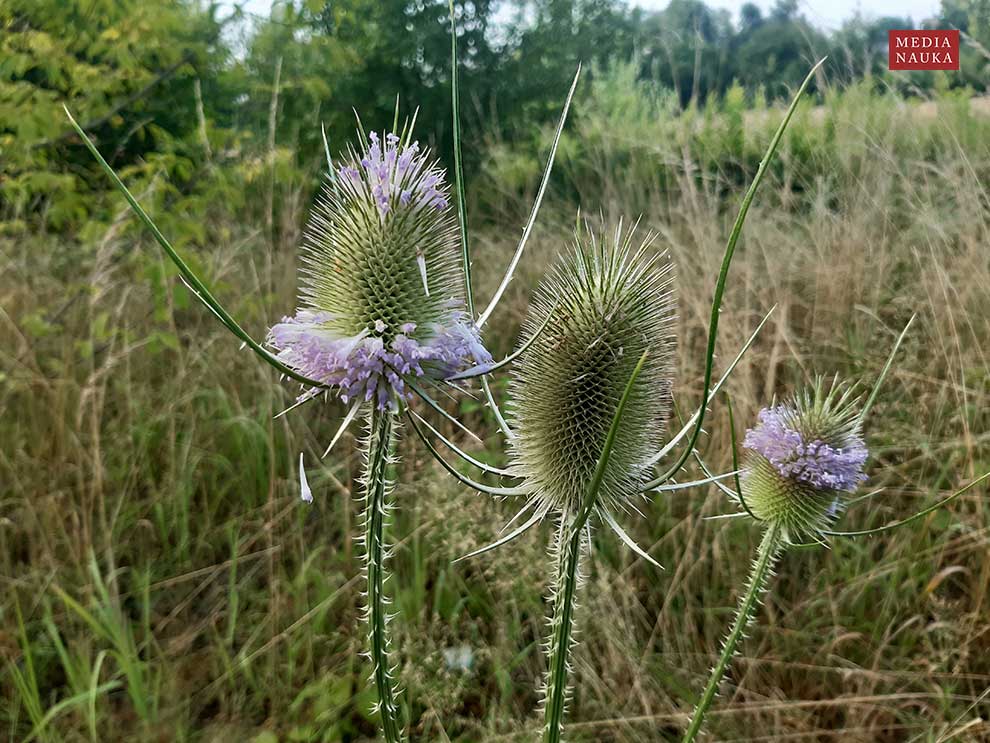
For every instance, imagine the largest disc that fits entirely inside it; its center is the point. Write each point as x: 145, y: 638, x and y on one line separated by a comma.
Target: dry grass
x: 172, y: 587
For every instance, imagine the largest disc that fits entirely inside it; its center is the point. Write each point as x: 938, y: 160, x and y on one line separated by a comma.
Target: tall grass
x: 162, y: 583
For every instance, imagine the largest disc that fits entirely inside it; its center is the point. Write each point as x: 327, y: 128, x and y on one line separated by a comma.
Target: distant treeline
x: 186, y: 86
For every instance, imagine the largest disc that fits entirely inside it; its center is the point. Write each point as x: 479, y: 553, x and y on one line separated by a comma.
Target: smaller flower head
x: 382, y: 304
x: 802, y: 457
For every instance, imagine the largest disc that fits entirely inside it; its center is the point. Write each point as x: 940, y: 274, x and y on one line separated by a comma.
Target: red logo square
x: 923, y: 50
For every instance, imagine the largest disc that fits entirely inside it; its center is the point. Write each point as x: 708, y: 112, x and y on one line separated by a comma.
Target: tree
x: 125, y: 67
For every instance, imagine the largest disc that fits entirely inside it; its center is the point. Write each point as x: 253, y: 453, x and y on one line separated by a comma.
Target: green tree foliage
x: 229, y: 105
x: 126, y: 67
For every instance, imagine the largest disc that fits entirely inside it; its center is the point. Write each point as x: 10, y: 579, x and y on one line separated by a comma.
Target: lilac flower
x: 814, y: 462
x: 803, y: 456
x: 397, y: 172
x: 373, y: 366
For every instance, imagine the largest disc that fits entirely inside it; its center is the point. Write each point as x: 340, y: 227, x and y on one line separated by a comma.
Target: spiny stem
x: 571, y: 540
x: 766, y: 556
x: 569, y: 548
x: 380, y: 443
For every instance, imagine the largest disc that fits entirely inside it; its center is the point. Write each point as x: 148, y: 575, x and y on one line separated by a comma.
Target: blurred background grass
x: 162, y: 581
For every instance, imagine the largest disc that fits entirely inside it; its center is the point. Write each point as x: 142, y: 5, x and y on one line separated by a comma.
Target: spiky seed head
x: 381, y: 297
x: 607, y: 303
x: 802, y: 457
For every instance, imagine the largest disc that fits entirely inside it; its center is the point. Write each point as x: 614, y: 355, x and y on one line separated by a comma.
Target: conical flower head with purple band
x: 802, y: 458
x: 382, y: 301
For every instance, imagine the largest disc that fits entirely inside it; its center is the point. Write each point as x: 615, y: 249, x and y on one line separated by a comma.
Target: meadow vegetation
x: 163, y: 582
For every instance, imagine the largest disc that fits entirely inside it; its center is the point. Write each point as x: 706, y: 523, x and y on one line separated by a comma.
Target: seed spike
x: 599, y: 309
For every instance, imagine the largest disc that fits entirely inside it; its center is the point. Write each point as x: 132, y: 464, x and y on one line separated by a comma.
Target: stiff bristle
x: 607, y: 303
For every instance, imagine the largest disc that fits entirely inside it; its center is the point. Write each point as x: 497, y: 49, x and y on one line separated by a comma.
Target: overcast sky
x: 825, y: 13
x: 829, y: 13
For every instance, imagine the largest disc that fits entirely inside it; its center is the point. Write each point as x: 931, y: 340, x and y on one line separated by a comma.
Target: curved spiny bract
x: 604, y: 305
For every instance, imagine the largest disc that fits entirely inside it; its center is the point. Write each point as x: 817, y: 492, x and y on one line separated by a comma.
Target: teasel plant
x: 591, y: 391
x: 804, y: 461
x: 386, y: 313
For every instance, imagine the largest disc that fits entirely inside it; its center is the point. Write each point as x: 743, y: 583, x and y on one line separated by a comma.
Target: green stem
x: 377, y: 489
x: 569, y: 548
x: 571, y: 541
x: 766, y: 556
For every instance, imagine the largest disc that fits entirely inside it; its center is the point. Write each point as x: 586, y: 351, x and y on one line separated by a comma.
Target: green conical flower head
x: 802, y: 458
x: 377, y: 223
x: 382, y: 300
x: 604, y: 305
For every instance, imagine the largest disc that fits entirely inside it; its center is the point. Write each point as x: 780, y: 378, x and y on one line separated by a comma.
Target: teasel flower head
x: 803, y: 457
x: 603, y: 307
x: 381, y: 300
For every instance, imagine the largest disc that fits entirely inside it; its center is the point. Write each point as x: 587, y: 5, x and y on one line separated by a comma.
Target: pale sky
x: 824, y: 13
x: 828, y: 13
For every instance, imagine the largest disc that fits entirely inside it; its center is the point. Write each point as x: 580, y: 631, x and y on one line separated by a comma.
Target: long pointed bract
x: 723, y: 274
x: 883, y: 373
x: 536, y: 207
x: 200, y: 288
x: 461, y: 453
x: 517, y: 532
x: 627, y: 540
x: 718, y: 385
x: 909, y: 519
x: 485, y: 369
x: 480, y: 487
